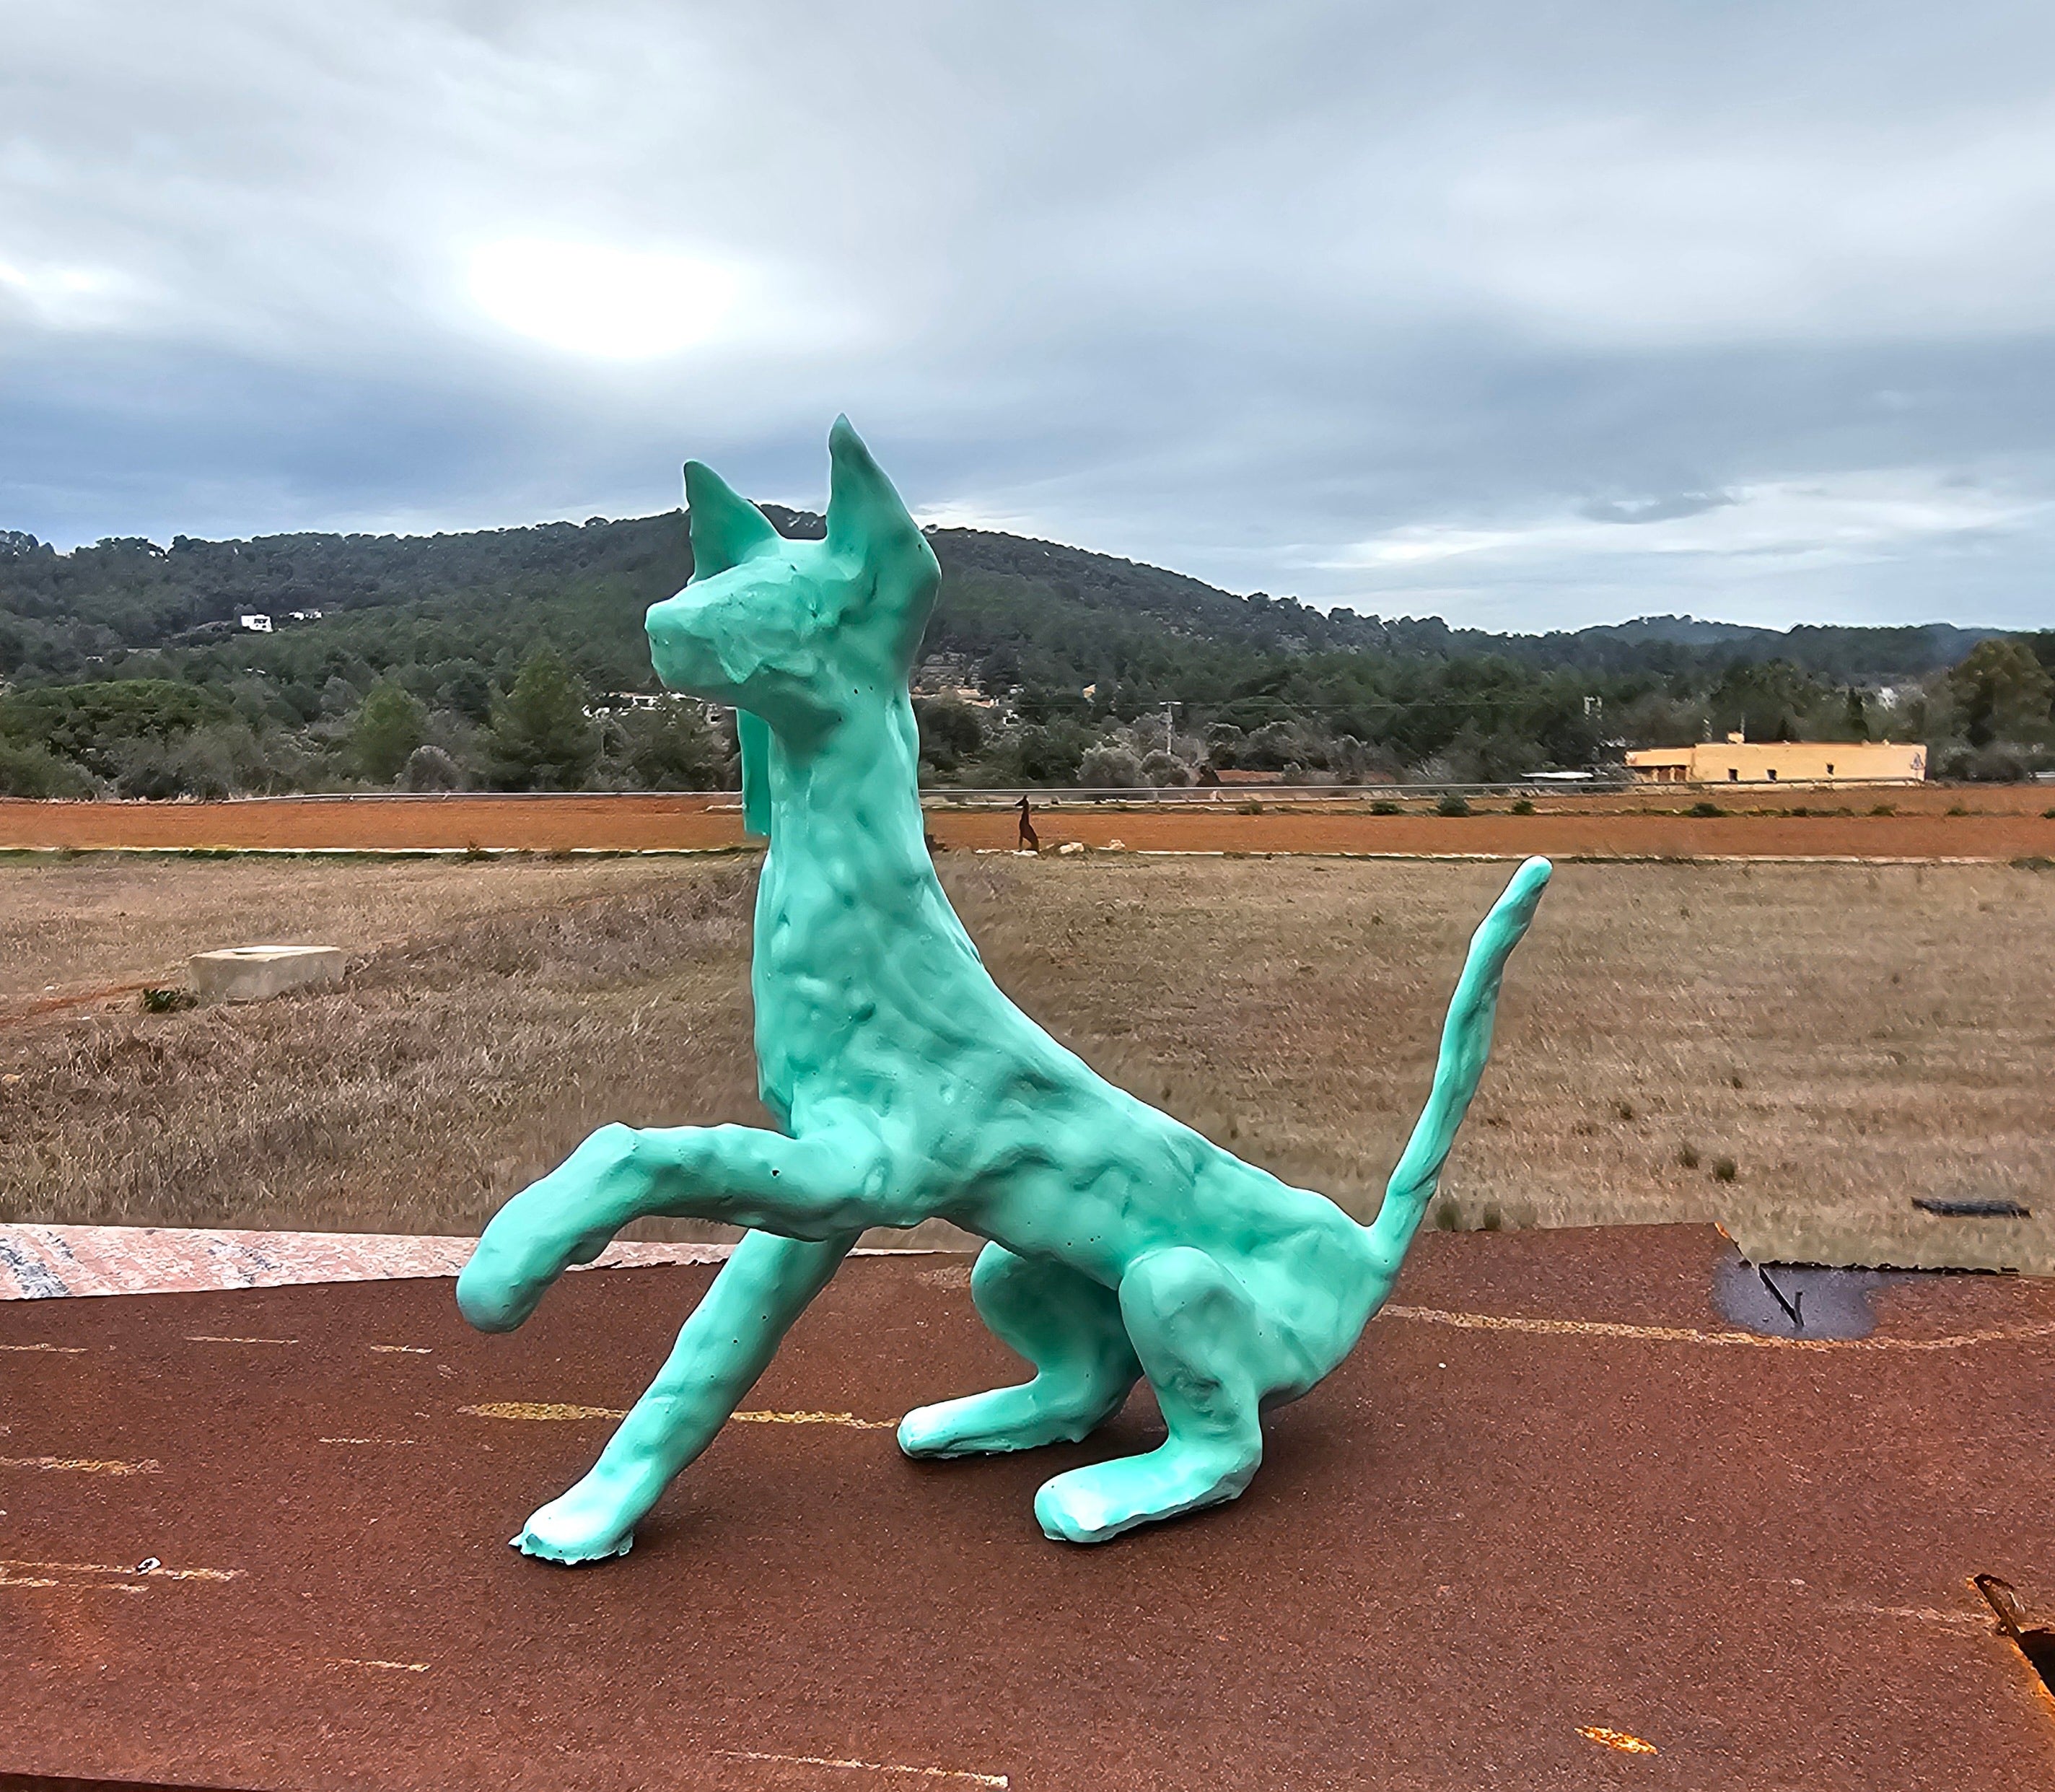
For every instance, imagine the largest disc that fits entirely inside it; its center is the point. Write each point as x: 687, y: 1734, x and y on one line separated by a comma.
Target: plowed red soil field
x: 2000, y: 826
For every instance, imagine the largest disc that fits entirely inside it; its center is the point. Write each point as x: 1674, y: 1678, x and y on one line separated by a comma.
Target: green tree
x: 671, y: 748
x: 541, y: 737
x: 389, y: 725
x: 1051, y: 755
x: 951, y: 731
x: 2000, y: 691
x: 1770, y: 701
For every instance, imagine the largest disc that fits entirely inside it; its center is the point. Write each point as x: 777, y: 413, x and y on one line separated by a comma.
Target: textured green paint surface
x: 905, y: 1086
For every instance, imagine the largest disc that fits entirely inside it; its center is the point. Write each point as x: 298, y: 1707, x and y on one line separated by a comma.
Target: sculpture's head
x: 800, y: 633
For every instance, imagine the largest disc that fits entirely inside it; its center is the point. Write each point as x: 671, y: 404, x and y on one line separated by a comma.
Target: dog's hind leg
x: 724, y: 1347
x: 1069, y: 1328
x: 1208, y: 1353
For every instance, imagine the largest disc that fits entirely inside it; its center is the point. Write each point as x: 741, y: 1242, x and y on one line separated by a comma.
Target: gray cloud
x: 1654, y: 510
x: 1363, y: 303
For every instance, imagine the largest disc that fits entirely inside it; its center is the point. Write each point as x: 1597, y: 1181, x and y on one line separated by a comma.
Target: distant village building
x: 948, y: 675
x: 1737, y: 761
x: 256, y: 625
x: 619, y: 703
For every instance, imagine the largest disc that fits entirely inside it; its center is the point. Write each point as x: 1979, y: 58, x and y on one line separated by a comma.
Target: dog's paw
x: 943, y: 1431
x: 571, y: 1530
x: 1068, y: 1512
x: 993, y: 1424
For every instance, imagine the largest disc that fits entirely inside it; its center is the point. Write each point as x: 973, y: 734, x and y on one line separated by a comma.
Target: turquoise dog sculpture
x: 905, y: 1086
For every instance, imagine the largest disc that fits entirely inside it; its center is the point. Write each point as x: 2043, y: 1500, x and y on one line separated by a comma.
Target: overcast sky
x: 1529, y: 316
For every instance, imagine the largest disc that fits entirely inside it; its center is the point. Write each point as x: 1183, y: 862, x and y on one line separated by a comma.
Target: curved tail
x: 1465, y: 1045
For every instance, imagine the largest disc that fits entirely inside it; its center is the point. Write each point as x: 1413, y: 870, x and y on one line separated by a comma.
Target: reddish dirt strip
x: 1554, y: 1525
x: 688, y: 823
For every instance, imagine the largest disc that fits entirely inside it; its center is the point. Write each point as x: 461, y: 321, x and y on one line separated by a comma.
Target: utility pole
x: 1169, y: 745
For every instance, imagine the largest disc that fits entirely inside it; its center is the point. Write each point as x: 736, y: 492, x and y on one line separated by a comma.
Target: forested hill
x: 502, y: 657
x: 1019, y: 611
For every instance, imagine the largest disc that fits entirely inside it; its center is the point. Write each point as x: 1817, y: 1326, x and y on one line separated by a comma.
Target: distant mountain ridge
x: 1918, y: 647
x: 1022, y: 611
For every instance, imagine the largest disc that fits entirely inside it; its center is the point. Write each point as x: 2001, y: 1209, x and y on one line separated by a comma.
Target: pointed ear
x: 865, y: 518
x: 726, y: 530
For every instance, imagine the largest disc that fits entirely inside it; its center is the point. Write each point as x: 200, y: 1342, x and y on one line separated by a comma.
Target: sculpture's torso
x: 869, y: 995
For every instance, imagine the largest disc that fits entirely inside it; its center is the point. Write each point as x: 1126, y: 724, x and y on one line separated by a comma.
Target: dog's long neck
x: 858, y: 957
x: 850, y: 803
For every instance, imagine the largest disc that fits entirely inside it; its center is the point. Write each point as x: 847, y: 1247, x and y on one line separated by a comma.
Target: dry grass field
x: 1796, y: 1051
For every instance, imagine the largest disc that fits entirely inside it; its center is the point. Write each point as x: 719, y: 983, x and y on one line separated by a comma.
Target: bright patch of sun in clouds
x: 1848, y: 517
x: 61, y: 298
x: 610, y: 304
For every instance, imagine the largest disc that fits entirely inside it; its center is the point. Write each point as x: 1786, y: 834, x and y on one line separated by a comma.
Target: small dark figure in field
x: 1030, y: 840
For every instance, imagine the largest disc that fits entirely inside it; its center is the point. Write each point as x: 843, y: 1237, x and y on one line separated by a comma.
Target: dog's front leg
x: 724, y: 1347
x: 830, y: 1182
x: 806, y: 1200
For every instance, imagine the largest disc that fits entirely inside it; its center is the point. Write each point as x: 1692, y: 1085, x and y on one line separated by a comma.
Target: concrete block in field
x: 249, y: 973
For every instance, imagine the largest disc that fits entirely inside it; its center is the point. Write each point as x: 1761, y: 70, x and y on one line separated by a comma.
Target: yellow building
x: 1736, y: 760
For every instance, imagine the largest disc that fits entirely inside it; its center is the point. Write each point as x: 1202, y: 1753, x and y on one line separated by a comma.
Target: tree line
x: 514, y: 659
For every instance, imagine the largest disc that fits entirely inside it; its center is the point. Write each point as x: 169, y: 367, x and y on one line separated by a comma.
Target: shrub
x: 209, y: 762
x: 1162, y: 768
x: 30, y: 770
x: 1108, y: 768
x: 1705, y: 809
x: 2001, y: 762
x: 1891, y: 809
x: 430, y: 768
x: 1688, y: 1156
x: 1249, y: 806
x: 1724, y: 1171
x: 1050, y: 754
x: 1384, y: 806
x: 166, y: 1001
x: 94, y: 723
x: 1522, y: 806
x: 1448, y: 1216
x: 1452, y: 805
